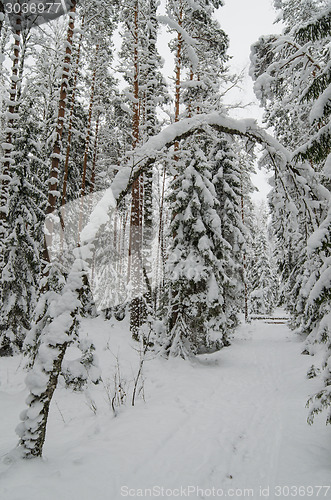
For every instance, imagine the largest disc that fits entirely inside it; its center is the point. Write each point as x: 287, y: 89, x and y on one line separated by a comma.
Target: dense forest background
x: 135, y: 199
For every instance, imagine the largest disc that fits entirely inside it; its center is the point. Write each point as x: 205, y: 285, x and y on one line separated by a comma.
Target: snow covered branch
x: 145, y: 156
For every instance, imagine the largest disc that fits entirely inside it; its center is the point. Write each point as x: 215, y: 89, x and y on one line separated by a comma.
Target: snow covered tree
x: 292, y: 73
x: 228, y: 174
x: 317, y: 314
x: 284, y: 68
x: 7, y: 160
x: 210, y: 163
x: 56, y: 327
x: 145, y: 94
x: 197, y: 259
x: 21, y: 272
x: 262, y: 280
x: 2, y: 15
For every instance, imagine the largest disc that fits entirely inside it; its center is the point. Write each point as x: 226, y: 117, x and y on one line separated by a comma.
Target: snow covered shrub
x: 77, y: 373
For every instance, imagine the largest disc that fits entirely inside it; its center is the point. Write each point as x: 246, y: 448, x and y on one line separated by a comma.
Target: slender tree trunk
x: 10, y: 130
x: 189, y: 108
x: 95, y: 153
x: 2, y: 15
x: 198, y: 107
x: 89, y: 124
x: 178, y: 75
x: 175, y: 307
x: 123, y: 255
x: 135, y: 256
x: 25, y: 40
x: 71, y: 115
x: 53, y: 193
x: 148, y: 176
x: 244, y: 254
x: 178, y: 67
x: 160, y: 264
x: 136, y: 220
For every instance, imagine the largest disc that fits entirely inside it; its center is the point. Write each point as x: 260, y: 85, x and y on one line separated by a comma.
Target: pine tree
x: 146, y: 93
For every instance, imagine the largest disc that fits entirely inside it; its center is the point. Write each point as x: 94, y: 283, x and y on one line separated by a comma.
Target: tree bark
x: 244, y: 254
x: 89, y: 124
x: 178, y: 75
x: 136, y: 219
x: 71, y: 114
x: 95, y: 153
x: 53, y: 181
x: 53, y: 185
x: 148, y: 176
x: 2, y: 15
x: 10, y: 129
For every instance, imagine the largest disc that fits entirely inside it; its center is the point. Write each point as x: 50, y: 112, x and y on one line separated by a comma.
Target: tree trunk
x: 189, y: 107
x: 2, y: 15
x: 89, y: 124
x: 25, y: 40
x: 10, y: 130
x: 244, y: 255
x: 178, y: 75
x: 33, y: 443
x: 95, y: 153
x: 175, y: 308
x: 148, y: 176
x: 178, y: 67
x: 71, y: 114
x: 160, y: 264
x: 136, y: 219
x: 53, y: 193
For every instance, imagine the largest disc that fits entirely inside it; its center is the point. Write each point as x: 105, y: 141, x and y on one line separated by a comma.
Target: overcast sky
x: 245, y: 21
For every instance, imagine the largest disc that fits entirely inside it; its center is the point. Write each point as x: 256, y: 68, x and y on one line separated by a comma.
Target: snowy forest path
x: 241, y: 419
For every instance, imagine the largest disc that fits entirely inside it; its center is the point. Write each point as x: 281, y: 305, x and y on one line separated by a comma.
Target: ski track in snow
x: 233, y: 419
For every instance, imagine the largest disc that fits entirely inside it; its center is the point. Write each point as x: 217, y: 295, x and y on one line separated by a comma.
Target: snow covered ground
x: 234, y: 421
